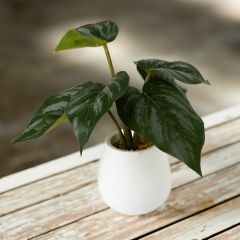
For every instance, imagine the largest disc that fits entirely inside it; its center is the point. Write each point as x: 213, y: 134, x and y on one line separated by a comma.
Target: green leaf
x: 87, y: 107
x: 49, y: 115
x: 170, y: 71
x: 163, y: 115
x: 90, y: 35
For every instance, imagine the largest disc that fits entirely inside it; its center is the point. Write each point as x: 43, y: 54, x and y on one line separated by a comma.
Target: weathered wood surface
x: 74, y: 160
x: 83, y: 202
x: 219, y: 136
x: 48, y: 188
x: 48, y: 169
x: 204, y: 224
x: 222, y: 116
x: 231, y: 234
x: 67, y: 205
x: 183, y: 202
x: 56, y: 185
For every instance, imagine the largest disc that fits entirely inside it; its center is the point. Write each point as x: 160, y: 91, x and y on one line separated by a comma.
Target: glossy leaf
x: 163, y: 115
x: 49, y: 115
x: 170, y: 71
x: 90, y: 35
x: 90, y: 104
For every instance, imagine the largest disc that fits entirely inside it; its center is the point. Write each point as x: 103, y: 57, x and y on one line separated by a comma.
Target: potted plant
x: 134, y: 175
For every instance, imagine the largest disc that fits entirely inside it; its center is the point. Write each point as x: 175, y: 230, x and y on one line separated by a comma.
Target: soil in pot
x: 143, y: 144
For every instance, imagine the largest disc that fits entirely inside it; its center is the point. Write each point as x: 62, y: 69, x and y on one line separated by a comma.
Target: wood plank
x: 231, y: 234
x: 68, y: 181
x: 183, y: 202
x: 202, y: 225
x: 62, y: 192
x: 221, y: 136
x: 73, y: 160
x: 221, y: 116
x: 58, y: 165
x: 108, y: 224
x: 47, y: 188
x: 56, y: 212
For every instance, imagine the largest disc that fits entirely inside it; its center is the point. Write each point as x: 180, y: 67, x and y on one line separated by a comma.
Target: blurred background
x: 203, y: 32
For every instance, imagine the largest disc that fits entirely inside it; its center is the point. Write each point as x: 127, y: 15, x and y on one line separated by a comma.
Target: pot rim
x: 109, y: 144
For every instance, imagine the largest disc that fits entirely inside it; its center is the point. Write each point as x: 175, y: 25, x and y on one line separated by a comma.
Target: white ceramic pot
x: 133, y: 182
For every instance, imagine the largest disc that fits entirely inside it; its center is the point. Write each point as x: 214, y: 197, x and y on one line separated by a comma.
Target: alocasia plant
x: 159, y: 113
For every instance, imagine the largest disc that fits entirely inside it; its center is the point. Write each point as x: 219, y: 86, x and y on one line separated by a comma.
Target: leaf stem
x: 118, y: 127
x: 127, y: 135
x: 148, y: 76
x: 109, y: 60
x: 136, y: 140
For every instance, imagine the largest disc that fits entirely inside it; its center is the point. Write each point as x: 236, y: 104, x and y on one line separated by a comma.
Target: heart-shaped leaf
x: 49, y: 115
x: 171, y: 71
x: 87, y: 107
x: 90, y: 35
x: 163, y: 115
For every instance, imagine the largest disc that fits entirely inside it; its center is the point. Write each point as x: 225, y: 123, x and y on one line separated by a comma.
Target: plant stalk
x: 122, y: 138
x: 109, y: 60
x: 127, y: 132
x: 148, y: 77
x: 136, y: 140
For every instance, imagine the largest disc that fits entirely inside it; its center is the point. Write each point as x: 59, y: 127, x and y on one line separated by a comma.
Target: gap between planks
x: 219, y: 218
x: 233, y: 233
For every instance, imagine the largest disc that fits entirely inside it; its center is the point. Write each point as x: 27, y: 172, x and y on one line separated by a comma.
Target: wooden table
x: 59, y: 200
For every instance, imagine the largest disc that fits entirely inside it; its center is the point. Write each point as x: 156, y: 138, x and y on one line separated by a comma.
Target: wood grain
x: 48, y: 169
x: 218, y: 137
x: 67, y: 205
x: 232, y: 234
x: 221, y: 116
x: 51, y: 214
x: 183, y: 202
x: 202, y: 225
x: 47, y: 188
x: 74, y: 160
x: 63, y: 183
